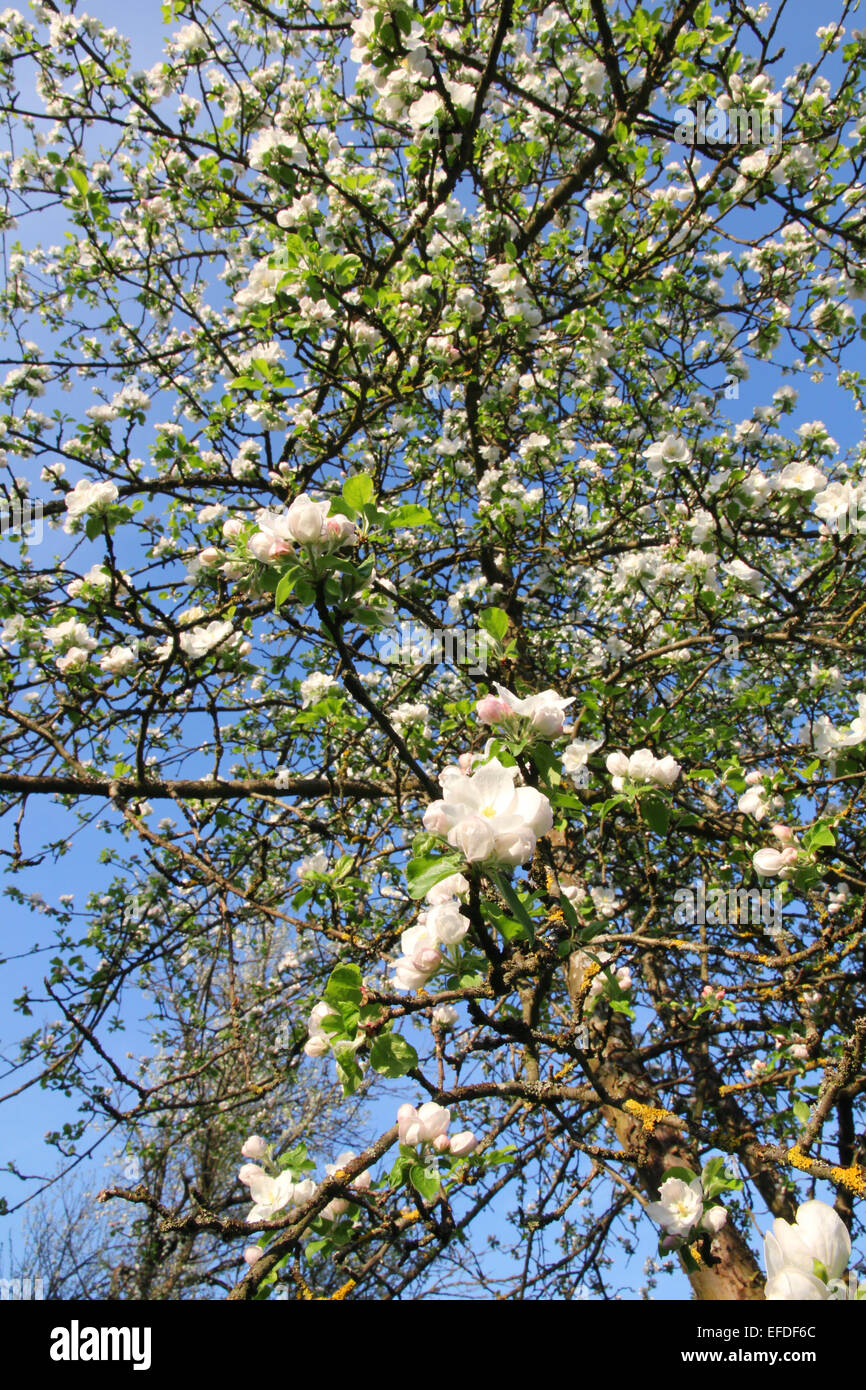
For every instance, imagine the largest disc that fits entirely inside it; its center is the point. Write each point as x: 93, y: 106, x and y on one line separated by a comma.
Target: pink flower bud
x: 210, y: 556
x: 442, y: 1143
x: 548, y: 721
x: 254, y: 1147
x: 784, y: 833
x: 463, y: 1143
x: 232, y: 528
x: 768, y: 861
x: 491, y: 710
x: 407, y: 1116
x: 714, y: 1219
x: 339, y: 529
x: 253, y: 1253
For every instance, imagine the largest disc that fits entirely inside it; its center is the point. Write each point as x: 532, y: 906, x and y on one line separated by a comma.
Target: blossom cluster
x: 544, y: 714
x: 428, y: 1125
x: 641, y: 768
x: 683, y: 1210
x: 276, y: 1190
x: 487, y: 817
x: 308, y: 525
x: 442, y: 925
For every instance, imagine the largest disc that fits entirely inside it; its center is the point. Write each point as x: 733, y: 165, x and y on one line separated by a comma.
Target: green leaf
x: 684, y: 1174
x: 392, y: 1056
x: 409, y: 515
x: 494, y: 621
x: 79, y: 179
x: 284, y: 589
x: 425, y: 1181
x: 348, y: 1069
x: 344, y: 986
x: 403, y: 1162
x: 547, y: 763
x: 656, y: 814
x: 423, y: 873
x: 514, y: 903
x: 801, y: 1110
x: 358, y: 490
x: 819, y: 836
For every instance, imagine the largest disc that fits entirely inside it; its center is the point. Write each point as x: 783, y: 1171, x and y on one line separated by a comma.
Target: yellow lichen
x: 339, y: 1295
x: 854, y: 1178
x: 798, y: 1159
x: 652, y: 1115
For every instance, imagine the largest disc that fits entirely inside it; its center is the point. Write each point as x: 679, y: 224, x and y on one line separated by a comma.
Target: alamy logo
x: 419, y: 646
x: 724, y: 907
x: 15, y: 1289
x: 75, y: 1343
x: 21, y: 517
x: 738, y: 125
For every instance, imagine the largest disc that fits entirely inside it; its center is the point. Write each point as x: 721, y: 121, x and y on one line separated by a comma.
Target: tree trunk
x: 622, y: 1077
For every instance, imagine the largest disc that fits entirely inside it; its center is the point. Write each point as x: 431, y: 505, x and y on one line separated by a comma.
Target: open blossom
x: 445, y: 1015
x: 545, y: 713
x: 662, y: 453
x: 313, y: 864
x: 316, y: 687
x: 642, y: 767
x: 261, y: 287
x: 89, y: 496
x: 423, y: 1125
x: 680, y: 1206
x: 801, y: 477
x: 576, y: 754
x: 754, y: 802
x: 306, y: 523
x: 118, y: 660
x: 73, y: 659
x: 318, y: 1043
x: 198, y: 641
x: 487, y: 818
x: 443, y: 925
x: 791, y: 1250
x: 447, y: 888
x: 70, y: 634
x: 269, y: 1195
x: 338, y: 1205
